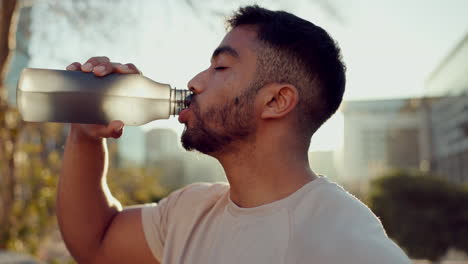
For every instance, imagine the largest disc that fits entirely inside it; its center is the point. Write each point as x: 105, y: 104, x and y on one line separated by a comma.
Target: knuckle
x: 103, y: 59
x: 92, y: 60
x: 107, y: 66
x: 98, y: 60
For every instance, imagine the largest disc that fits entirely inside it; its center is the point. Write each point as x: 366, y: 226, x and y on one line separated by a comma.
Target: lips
x: 183, y: 115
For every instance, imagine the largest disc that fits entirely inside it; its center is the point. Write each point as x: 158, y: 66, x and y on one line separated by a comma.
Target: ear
x: 279, y: 100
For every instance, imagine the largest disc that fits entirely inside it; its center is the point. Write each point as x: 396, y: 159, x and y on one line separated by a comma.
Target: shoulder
x: 327, y: 201
x: 354, y: 248
x: 335, y: 227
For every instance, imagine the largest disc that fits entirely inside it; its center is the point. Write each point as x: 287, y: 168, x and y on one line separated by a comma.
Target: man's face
x: 222, y: 111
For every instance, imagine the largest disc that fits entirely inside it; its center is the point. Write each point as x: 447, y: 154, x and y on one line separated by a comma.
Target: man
x: 272, y: 82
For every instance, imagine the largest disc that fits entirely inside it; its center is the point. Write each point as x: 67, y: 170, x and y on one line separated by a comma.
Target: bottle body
x: 78, y: 97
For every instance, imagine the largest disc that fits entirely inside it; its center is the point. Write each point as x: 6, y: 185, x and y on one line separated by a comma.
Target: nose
x: 197, y: 83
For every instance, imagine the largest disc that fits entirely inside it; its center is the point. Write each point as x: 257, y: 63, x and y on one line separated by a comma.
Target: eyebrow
x: 228, y: 50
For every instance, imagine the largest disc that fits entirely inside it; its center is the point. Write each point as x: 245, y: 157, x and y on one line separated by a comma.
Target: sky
x: 389, y: 47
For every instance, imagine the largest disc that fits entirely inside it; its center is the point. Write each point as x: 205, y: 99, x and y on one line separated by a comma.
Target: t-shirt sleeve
x: 155, y: 222
x: 369, y: 251
x: 159, y: 219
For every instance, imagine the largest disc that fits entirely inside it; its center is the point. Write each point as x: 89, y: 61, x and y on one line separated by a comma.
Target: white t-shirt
x: 319, y: 223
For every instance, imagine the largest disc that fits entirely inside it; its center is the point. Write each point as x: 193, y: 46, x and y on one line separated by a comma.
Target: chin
x: 195, y: 140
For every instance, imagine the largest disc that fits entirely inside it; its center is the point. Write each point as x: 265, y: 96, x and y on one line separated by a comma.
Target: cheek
x: 221, y: 89
x: 233, y: 84
x: 225, y: 81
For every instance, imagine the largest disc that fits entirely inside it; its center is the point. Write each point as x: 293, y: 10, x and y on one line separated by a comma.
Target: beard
x: 234, y: 122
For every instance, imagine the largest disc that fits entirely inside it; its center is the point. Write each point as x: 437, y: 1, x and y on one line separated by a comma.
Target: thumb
x: 115, y: 128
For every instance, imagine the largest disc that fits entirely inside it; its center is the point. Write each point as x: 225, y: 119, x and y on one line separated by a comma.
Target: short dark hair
x: 296, y: 51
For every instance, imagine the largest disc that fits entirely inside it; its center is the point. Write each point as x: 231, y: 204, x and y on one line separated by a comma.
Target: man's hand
x: 100, y: 66
x: 93, y: 224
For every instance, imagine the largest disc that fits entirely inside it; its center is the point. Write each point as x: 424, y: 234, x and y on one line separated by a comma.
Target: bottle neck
x: 179, y: 100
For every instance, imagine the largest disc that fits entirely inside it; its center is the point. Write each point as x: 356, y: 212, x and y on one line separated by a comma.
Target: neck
x: 261, y: 173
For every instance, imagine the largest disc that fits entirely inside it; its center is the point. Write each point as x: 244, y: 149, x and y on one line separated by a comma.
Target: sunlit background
x: 404, y: 58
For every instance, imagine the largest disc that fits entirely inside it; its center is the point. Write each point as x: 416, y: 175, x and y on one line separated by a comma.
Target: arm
x: 92, y: 222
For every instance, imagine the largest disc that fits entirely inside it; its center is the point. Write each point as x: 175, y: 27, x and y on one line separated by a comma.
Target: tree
x: 9, y: 125
x: 8, y: 19
x: 30, y: 155
x: 425, y: 214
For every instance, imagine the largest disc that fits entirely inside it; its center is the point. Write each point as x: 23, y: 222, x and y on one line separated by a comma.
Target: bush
x: 424, y: 214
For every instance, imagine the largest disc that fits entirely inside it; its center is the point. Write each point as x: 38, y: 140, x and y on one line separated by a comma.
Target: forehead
x: 243, y: 40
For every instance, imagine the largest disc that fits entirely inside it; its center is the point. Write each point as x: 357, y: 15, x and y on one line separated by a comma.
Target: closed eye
x: 220, y: 68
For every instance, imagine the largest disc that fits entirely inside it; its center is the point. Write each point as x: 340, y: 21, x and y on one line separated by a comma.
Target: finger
x: 113, y: 129
x: 118, y: 134
x: 116, y: 125
x: 92, y: 62
x: 126, y: 68
x: 133, y: 68
x: 103, y: 69
x: 76, y: 66
x: 119, y: 67
x: 88, y: 130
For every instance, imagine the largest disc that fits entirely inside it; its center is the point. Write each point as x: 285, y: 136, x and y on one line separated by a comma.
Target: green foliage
x: 424, y: 214
x: 35, y: 169
x: 135, y: 185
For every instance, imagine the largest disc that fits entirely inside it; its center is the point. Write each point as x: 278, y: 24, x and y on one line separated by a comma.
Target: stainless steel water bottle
x: 45, y: 95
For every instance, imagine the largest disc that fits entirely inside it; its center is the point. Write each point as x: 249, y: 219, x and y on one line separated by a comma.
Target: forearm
x: 85, y: 207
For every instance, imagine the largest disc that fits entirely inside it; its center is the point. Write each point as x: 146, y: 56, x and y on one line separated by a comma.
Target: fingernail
x: 124, y: 67
x: 99, y: 69
x: 118, y: 131
x: 119, y: 128
x: 72, y: 67
x: 87, y: 67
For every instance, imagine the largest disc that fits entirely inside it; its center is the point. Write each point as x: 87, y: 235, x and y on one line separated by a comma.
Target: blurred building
x: 164, y: 155
x: 160, y: 143
x: 202, y: 168
x: 385, y: 134
x: 323, y: 163
x: 450, y: 114
x: 177, y: 167
x: 131, y: 147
